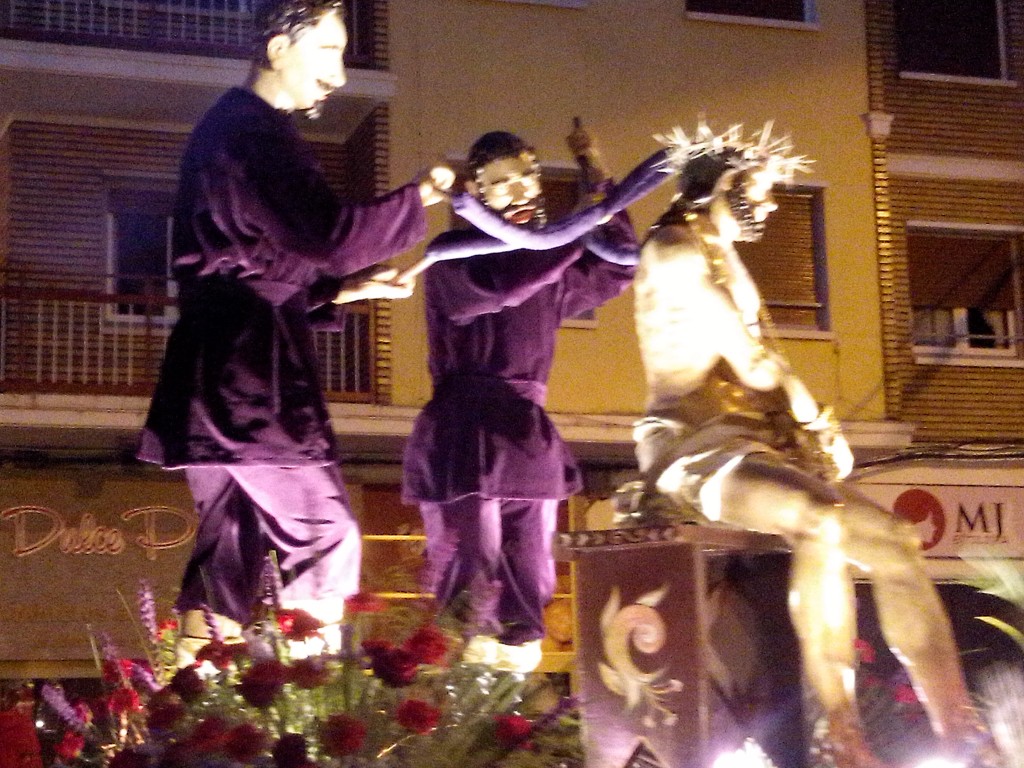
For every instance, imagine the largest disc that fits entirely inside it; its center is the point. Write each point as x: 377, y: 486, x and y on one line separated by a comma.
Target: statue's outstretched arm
x: 640, y: 181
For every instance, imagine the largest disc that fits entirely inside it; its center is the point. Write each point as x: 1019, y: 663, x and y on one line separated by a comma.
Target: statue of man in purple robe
x: 484, y: 461
x: 264, y: 251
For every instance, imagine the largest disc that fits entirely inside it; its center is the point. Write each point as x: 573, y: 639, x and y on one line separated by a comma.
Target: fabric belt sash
x: 478, y: 386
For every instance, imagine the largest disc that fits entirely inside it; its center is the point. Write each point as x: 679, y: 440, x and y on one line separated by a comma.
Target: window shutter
x: 783, y: 10
x: 783, y: 262
x: 948, y: 270
x: 138, y: 199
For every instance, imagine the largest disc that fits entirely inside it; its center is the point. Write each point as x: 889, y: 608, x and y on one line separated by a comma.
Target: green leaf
x: 1009, y: 629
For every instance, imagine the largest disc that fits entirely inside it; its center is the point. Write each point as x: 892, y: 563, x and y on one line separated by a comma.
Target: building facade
x: 97, y: 98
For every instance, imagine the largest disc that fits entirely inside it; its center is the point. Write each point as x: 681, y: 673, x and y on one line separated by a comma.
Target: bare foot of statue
x: 971, y: 744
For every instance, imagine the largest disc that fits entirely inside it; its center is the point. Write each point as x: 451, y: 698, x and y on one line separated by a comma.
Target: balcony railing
x: 89, y: 339
x: 221, y: 28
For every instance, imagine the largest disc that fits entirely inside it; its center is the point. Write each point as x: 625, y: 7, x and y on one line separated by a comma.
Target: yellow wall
x: 631, y: 68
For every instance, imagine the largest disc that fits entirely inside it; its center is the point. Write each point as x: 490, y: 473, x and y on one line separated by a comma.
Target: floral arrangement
x: 265, y: 701
x: 1002, y: 686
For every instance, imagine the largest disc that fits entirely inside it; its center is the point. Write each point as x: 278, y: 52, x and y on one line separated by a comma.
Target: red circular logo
x: 925, y: 511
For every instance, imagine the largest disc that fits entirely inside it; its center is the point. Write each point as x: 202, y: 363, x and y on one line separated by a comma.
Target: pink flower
x: 417, y: 716
x: 342, y: 735
x: 262, y: 682
x: 511, y: 730
x: 428, y: 645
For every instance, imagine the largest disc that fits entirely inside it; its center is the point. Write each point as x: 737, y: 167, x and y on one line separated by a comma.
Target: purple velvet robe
x: 492, y: 323
x: 261, y: 246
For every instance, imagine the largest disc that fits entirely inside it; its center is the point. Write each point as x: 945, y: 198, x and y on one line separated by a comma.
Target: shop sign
x: 954, y: 520
x: 74, y: 547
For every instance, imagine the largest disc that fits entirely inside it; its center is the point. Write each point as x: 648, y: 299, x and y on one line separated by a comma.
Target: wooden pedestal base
x: 685, y: 647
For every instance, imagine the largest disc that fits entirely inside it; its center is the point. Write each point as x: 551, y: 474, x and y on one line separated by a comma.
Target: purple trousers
x: 302, y: 513
x: 502, y: 546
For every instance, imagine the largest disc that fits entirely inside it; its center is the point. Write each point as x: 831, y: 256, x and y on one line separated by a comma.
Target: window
x: 139, y: 226
x: 777, y: 10
x: 560, y: 3
x: 966, y: 291
x: 951, y: 37
x: 788, y: 263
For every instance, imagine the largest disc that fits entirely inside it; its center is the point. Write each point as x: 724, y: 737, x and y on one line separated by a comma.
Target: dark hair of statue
x: 496, y: 145
x: 699, y: 185
x: 286, y: 17
x: 699, y: 179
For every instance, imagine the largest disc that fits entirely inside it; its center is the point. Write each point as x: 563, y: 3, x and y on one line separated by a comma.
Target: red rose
x: 188, y: 684
x: 297, y: 624
x: 19, y: 743
x: 290, y: 751
x: 245, y: 743
x: 124, y: 700
x: 165, y: 626
x: 309, y: 673
x: 211, y: 735
x: 374, y: 647
x: 394, y: 666
x: 427, y: 644
x: 417, y: 716
x: 165, y: 709
x: 70, y: 747
x: 116, y: 671
x: 221, y: 655
x: 364, y: 602
x: 510, y: 730
x: 342, y: 735
x: 262, y: 682
x: 83, y: 710
x: 128, y: 758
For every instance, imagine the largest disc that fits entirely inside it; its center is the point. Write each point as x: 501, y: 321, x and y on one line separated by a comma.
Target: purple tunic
x: 492, y: 323
x: 261, y: 245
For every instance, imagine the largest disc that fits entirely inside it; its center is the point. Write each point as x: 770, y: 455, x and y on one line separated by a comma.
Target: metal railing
x: 221, y: 28
x: 75, y: 334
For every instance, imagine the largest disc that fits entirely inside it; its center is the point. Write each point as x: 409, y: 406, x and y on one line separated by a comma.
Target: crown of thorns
x: 731, y: 148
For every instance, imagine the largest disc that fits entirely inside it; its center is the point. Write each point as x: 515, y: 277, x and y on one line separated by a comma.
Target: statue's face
x: 309, y: 67
x: 511, y: 186
x: 740, y: 212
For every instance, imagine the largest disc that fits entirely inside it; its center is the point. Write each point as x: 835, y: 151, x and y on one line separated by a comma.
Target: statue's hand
x: 579, y: 140
x: 829, y: 443
x: 582, y: 146
x: 435, y: 184
x: 385, y: 283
